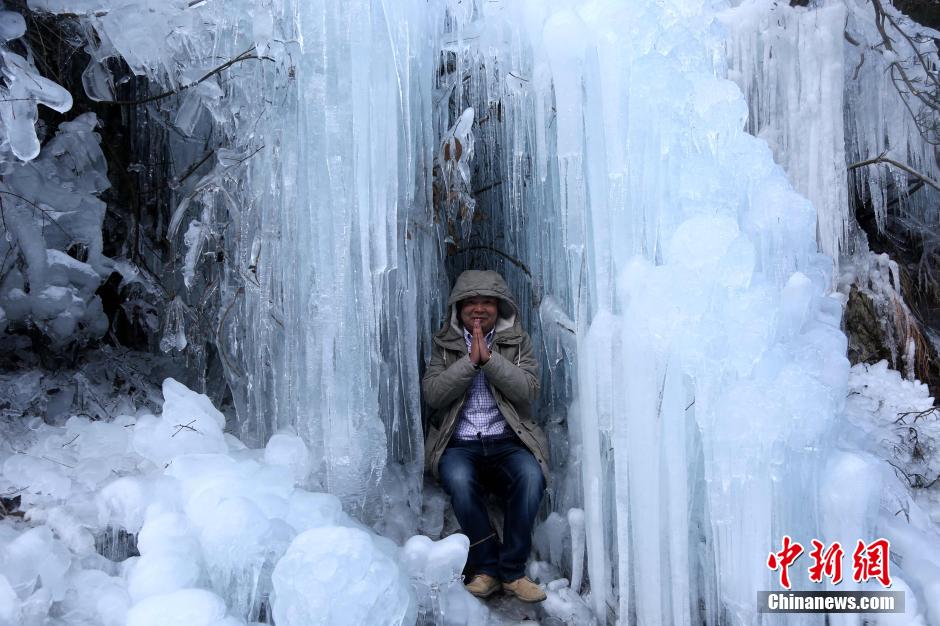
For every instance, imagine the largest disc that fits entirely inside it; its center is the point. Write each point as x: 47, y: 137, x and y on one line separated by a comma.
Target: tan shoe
x: 483, y: 586
x: 525, y: 590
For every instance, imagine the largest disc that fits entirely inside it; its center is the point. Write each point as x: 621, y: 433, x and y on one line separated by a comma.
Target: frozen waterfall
x: 661, y: 182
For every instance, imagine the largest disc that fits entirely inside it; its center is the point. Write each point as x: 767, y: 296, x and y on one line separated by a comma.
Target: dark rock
x: 867, y: 343
x: 10, y: 507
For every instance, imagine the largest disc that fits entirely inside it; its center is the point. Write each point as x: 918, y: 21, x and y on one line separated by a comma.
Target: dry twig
x: 244, y: 56
x: 180, y: 427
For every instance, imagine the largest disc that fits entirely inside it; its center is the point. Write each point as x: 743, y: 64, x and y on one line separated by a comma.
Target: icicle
x: 576, y: 524
x: 174, y: 328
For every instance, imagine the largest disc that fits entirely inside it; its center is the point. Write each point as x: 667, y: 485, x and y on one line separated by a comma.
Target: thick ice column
x: 593, y: 413
x: 687, y: 217
x: 333, y: 315
x: 565, y: 40
x: 349, y: 174
x: 677, y: 505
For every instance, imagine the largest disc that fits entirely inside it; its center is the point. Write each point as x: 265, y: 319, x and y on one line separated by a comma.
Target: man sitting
x: 480, y: 382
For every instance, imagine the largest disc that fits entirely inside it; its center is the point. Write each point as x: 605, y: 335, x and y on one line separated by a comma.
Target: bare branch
x: 242, y: 160
x: 508, y: 257
x: 880, y: 24
x: 244, y: 56
x: 47, y: 458
x: 917, y: 415
x: 44, y: 212
x: 195, y: 166
x: 486, y: 188
x: 918, y: 55
x: 925, y: 85
x: 881, y: 158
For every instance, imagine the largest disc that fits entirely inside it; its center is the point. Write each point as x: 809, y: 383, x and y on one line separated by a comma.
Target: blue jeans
x: 505, y: 467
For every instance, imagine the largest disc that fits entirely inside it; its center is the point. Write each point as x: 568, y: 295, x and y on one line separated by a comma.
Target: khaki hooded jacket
x: 512, y: 372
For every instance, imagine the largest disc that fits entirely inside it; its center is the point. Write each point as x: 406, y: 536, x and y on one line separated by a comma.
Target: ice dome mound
x: 338, y: 576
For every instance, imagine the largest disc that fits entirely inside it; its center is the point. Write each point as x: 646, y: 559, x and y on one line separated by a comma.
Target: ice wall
x: 674, y: 249
x: 295, y: 140
x: 709, y: 357
x: 326, y: 329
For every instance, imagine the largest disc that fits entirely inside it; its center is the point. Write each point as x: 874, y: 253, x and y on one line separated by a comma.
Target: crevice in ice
x: 116, y: 544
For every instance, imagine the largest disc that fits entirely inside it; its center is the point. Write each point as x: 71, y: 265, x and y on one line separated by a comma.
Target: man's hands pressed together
x: 479, y: 351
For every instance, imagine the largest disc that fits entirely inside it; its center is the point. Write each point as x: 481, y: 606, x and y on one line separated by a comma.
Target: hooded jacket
x: 512, y: 372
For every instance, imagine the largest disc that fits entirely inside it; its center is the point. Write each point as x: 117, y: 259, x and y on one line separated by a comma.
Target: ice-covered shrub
x: 51, y: 249
x: 899, y: 419
x: 53, y: 216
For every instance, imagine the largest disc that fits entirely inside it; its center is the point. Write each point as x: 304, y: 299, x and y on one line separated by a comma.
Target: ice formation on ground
x: 224, y: 534
x: 435, y: 568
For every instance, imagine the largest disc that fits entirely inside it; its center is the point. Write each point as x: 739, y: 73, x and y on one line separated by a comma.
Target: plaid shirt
x: 480, y: 417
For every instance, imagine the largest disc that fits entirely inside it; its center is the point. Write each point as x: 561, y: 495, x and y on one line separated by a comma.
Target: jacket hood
x: 481, y: 283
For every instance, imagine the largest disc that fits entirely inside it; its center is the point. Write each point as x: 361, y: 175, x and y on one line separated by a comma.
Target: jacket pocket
x: 539, y: 436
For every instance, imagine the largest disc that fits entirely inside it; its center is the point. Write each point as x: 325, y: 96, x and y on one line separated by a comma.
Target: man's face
x: 482, y: 308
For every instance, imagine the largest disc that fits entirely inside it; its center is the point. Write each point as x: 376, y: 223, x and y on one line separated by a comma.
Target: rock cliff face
x: 872, y: 332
